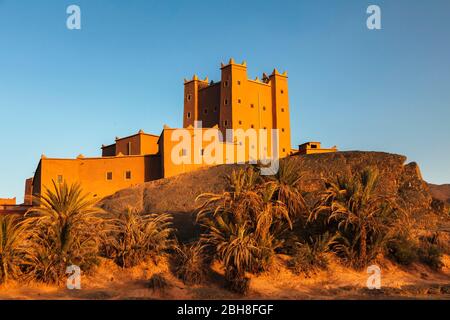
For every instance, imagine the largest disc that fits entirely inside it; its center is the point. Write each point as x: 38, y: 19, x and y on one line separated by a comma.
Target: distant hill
x: 440, y: 192
x: 176, y: 195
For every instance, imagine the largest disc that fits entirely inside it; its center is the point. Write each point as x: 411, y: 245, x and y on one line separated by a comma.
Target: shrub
x: 313, y: 256
x: 190, y: 263
x: 158, y: 282
x: 136, y: 237
x: 403, y: 251
x: 430, y: 254
x: 14, y: 246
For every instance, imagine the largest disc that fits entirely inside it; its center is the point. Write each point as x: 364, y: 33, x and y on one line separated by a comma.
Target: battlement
x: 265, y: 79
x: 233, y: 63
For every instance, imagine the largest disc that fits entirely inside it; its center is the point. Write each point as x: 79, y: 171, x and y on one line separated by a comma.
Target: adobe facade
x: 314, y: 148
x: 210, y: 108
x: 236, y: 102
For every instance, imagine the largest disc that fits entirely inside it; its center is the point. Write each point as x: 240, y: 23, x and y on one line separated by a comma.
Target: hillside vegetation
x: 309, y: 231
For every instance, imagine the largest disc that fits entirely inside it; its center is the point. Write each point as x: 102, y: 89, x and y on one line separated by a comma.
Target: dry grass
x: 337, y: 282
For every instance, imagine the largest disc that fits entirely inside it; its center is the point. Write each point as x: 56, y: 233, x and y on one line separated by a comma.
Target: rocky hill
x: 176, y: 195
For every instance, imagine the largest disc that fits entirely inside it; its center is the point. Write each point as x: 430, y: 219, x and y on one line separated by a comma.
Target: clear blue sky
x: 65, y: 92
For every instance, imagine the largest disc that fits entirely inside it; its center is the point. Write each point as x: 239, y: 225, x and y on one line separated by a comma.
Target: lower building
x: 314, y: 147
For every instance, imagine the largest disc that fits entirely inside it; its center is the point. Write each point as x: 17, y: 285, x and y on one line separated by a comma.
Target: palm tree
x: 242, y: 226
x: 68, y: 230
x: 356, y: 208
x: 14, y: 246
x: 135, y: 237
x: 287, y: 182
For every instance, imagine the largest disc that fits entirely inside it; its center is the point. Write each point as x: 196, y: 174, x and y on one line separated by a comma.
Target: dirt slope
x: 440, y: 192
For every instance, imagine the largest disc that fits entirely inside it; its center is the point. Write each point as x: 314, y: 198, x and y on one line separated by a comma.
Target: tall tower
x: 237, y: 102
x: 190, y: 114
x: 232, y: 93
x: 280, y: 110
x: 193, y: 106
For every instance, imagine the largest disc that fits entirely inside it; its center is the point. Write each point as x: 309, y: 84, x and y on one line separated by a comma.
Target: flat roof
x: 133, y: 135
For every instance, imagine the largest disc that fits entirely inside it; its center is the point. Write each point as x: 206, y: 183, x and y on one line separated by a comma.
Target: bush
x: 430, y: 254
x: 190, y: 263
x: 403, y: 251
x: 14, y: 246
x: 136, y: 237
x: 310, y: 257
x: 158, y: 282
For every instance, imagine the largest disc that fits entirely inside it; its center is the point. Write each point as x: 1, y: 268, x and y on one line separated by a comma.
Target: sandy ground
x: 111, y: 282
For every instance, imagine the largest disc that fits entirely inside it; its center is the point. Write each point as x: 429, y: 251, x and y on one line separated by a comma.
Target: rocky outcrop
x: 176, y: 195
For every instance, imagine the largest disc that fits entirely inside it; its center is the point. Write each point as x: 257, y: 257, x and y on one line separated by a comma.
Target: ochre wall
x: 280, y: 109
x: 209, y: 105
x: 7, y: 201
x: 28, y: 199
x: 149, y: 144
x: 141, y: 144
x: 122, y: 145
x: 169, y: 168
x: 233, y: 152
x: 109, y: 151
x: 91, y: 173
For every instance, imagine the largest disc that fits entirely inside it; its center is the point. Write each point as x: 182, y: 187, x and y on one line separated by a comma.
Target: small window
x: 240, y: 122
x: 282, y: 109
x: 202, y: 152
x: 226, y: 101
x: 252, y: 126
x: 264, y: 108
x: 188, y: 115
x: 252, y: 105
x: 265, y: 128
x: 215, y: 109
x: 314, y: 146
x: 109, y: 176
x: 282, y: 129
x: 60, y: 179
x: 282, y: 91
x: 239, y: 100
x: 205, y: 111
x: 239, y: 82
x: 225, y: 84
x: 225, y: 123
x: 284, y: 150
x: 189, y: 97
x: 127, y: 175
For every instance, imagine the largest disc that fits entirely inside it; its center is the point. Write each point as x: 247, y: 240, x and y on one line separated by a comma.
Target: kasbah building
x: 235, y: 102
